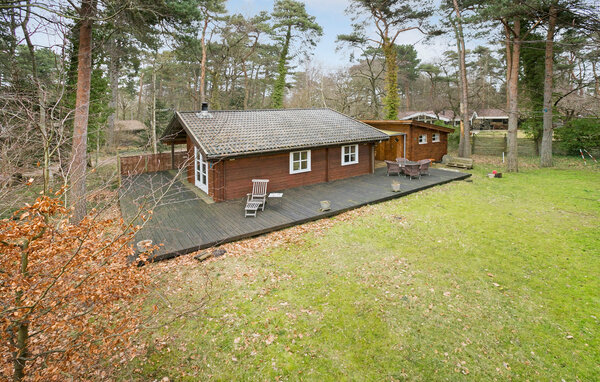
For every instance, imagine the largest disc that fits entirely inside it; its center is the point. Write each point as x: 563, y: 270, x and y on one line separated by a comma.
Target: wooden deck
x: 184, y: 223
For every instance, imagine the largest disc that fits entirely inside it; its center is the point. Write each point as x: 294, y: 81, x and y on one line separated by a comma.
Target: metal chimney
x: 204, y: 112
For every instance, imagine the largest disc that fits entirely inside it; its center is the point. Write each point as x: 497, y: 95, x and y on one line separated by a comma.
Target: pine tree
x: 290, y: 21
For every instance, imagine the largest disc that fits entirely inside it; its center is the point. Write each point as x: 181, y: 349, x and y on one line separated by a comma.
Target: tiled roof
x: 492, y: 113
x: 130, y: 125
x: 444, y: 115
x: 235, y: 132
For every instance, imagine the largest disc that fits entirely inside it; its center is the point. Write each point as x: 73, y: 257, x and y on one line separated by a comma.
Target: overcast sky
x: 330, y: 14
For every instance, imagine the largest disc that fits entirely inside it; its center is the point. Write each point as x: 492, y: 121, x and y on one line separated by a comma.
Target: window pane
x: 304, y: 155
x: 296, y: 156
x: 296, y: 166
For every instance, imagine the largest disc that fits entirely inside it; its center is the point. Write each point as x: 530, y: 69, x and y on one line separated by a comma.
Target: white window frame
x: 307, y: 169
x: 355, y: 161
x: 424, y: 141
x: 435, y: 138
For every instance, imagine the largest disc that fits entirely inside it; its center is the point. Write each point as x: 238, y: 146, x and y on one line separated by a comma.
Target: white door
x: 201, y: 171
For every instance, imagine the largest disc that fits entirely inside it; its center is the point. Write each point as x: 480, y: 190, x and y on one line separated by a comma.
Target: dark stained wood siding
x: 190, y: 165
x: 337, y: 171
x: 391, y: 149
x: 231, y: 179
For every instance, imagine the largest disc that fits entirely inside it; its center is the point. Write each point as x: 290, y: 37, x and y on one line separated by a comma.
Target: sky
x: 330, y: 14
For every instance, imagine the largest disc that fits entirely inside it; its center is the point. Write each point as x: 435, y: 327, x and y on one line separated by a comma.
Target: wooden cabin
x: 290, y: 147
x: 410, y: 139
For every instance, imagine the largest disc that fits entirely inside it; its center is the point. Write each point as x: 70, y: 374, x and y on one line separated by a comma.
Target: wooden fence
x: 495, y: 145
x: 139, y: 164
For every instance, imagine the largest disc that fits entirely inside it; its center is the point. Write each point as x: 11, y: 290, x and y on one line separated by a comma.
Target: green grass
x: 482, y: 280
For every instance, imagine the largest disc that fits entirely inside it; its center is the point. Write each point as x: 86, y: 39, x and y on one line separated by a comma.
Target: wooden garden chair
x: 258, y: 198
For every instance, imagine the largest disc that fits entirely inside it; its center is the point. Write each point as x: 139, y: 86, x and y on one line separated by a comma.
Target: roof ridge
x: 251, y: 110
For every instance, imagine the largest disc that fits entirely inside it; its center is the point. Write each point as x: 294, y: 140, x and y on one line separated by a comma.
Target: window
x: 299, y: 161
x: 435, y: 137
x: 349, y: 154
x: 422, y: 139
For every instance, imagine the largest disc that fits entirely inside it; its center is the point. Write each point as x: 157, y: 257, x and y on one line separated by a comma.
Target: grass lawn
x: 492, y: 279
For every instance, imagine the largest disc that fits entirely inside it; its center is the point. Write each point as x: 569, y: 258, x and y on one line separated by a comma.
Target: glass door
x: 201, y: 171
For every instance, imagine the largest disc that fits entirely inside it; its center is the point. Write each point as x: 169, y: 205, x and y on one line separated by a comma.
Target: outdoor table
x: 275, y: 195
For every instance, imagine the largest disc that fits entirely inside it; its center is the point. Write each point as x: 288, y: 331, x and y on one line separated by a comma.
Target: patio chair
x: 402, y: 161
x: 412, y: 170
x: 393, y: 167
x: 258, y: 198
x: 424, y: 166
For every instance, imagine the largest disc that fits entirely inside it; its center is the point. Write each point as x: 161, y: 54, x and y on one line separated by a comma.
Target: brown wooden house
x: 290, y: 147
x: 413, y: 140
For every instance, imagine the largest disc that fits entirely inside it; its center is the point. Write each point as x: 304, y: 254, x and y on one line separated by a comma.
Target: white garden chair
x: 258, y: 198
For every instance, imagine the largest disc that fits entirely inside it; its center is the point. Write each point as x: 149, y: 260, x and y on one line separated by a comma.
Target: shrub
x: 66, y: 293
x: 581, y: 133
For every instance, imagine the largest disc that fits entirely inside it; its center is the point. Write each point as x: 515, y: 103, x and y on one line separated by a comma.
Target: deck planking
x: 183, y: 223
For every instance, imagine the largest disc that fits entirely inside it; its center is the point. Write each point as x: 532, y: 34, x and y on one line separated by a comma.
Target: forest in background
x: 149, y: 60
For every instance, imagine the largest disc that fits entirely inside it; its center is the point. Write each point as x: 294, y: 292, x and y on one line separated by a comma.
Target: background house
x: 490, y: 119
x: 290, y: 147
x: 482, y: 119
x: 430, y: 116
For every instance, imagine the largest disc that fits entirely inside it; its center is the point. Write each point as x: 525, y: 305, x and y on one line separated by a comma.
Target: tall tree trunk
x: 513, y: 100
x: 407, y: 93
x: 391, y: 101
x: 23, y: 350
x: 82, y: 109
x: 203, y: 60
x: 596, y: 80
x: 113, y: 75
x: 141, y: 88
x: 153, y: 114
x: 464, y: 144
x: 546, y: 150
x: 22, y: 343
x: 509, y: 62
x: 246, y: 85
x: 279, y: 88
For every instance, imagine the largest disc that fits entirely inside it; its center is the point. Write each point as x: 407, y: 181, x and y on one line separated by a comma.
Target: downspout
x: 173, y: 155
x: 327, y: 164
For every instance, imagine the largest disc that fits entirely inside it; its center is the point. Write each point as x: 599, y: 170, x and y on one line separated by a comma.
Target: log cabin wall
x: 429, y: 150
x: 190, y: 165
x: 390, y: 150
x: 232, y: 178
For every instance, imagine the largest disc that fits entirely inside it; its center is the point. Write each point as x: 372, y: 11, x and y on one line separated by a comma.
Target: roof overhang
x: 391, y: 133
x: 173, y: 130
x: 409, y: 122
